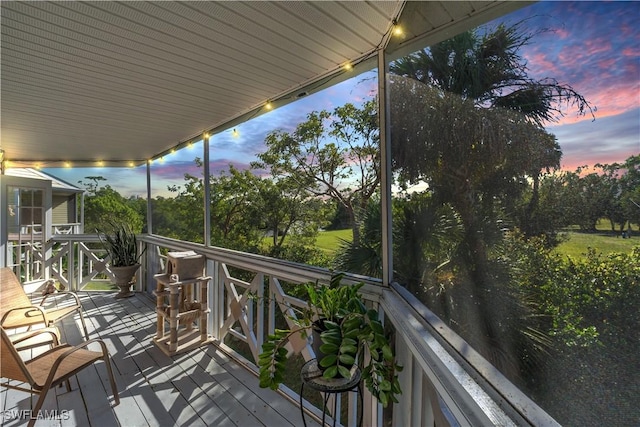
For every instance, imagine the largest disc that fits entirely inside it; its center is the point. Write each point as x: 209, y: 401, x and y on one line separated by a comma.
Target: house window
x: 25, y: 211
x: 26, y: 233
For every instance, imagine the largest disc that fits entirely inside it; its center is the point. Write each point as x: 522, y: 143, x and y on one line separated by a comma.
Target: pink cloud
x: 597, y: 46
x: 562, y: 33
x: 632, y: 51
x: 606, y: 63
x: 540, y: 63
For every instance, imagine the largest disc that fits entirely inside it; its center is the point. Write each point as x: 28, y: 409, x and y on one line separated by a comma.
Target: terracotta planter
x: 124, y: 279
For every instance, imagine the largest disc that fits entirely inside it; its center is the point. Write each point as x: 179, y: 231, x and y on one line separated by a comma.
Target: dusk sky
x: 592, y: 46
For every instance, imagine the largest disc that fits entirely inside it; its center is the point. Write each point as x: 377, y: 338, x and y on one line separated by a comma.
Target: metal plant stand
x: 311, y: 376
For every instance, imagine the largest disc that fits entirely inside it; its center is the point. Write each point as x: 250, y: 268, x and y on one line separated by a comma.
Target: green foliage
x: 121, y: 245
x: 299, y: 250
x: 331, y: 155
x: 103, y: 203
x: 349, y: 333
x: 587, y: 301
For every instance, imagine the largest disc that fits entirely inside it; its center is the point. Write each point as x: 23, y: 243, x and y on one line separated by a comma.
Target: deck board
x: 203, y: 387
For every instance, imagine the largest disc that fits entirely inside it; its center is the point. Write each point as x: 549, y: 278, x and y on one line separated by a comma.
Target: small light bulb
x: 67, y: 164
x: 235, y: 133
x: 348, y: 66
x: 131, y: 164
x: 268, y: 106
x: 397, y: 30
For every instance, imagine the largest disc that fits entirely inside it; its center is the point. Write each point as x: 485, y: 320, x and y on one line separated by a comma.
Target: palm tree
x: 468, y: 120
x: 489, y: 70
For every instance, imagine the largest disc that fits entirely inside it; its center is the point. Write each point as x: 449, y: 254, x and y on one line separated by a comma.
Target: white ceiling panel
x: 120, y: 81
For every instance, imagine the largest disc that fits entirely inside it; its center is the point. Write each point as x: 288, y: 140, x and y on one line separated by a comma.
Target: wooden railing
x: 444, y: 382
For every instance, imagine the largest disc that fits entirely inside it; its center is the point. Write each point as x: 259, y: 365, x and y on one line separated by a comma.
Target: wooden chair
x: 16, y: 309
x: 51, y: 368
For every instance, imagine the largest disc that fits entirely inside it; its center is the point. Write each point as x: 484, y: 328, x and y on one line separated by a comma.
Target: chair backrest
x: 11, y: 364
x: 12, y: 293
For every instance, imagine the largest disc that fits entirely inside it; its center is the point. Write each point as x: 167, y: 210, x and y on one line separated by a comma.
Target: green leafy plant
x: 121, y: 245
x: 350, y: 334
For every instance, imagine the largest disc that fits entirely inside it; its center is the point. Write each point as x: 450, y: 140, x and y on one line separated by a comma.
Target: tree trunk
x: 530, y: 225
x: 487, y: 315
x: 355, y: 225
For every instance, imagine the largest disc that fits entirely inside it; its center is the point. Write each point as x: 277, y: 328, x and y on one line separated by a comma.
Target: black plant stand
x: 311, y: 375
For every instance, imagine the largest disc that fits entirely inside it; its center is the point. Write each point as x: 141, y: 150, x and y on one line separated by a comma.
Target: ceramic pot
x: 124, y: 279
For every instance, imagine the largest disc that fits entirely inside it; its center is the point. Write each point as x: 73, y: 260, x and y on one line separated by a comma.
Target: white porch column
x: 149, y: 222
x: 207, y: 190
x: 385, y: 172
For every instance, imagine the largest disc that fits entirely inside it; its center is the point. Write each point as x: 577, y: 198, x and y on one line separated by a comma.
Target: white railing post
x: 259, y: 302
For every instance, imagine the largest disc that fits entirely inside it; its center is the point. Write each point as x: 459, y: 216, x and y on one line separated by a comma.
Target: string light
x: 235, y: 133
x: 67, y: 164
x: 397, y: 29
x: 348, y: 66
x: 131, y: 164
x: 268, y: 106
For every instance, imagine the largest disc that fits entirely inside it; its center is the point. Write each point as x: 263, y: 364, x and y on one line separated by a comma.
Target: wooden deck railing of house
x: 444, y: 381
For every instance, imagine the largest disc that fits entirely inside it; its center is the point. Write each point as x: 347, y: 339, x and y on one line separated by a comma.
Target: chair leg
x: 112, y: 380
x: 84, y: 326
x: 36, y: 409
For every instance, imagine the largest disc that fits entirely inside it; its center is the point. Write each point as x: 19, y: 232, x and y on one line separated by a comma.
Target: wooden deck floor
x: 203, y: 387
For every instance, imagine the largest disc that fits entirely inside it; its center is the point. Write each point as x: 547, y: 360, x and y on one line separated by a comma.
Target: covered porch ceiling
x: 117, y: 83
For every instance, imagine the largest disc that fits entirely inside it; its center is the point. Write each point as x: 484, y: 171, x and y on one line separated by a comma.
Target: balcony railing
x: 444, y: 381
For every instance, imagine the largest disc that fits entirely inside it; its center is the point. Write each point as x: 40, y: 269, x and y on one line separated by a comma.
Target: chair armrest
x: 61, y: 294
x: 26, y: 336
x: 27, y: 312
x: 34, y: 286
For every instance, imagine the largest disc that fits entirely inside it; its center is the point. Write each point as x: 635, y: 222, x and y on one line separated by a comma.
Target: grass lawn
x: 603, y: 242
x: 329, y: 241
x: 100, y: 286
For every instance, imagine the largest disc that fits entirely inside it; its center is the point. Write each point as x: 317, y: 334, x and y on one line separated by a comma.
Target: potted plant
x: 346, y: 334
x: 122, y: 250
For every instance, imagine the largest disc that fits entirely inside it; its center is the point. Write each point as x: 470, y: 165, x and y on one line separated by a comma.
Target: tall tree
x: 331, y: 155
x: 103, y: 203
x: 286, y: 209
x: 630, y: 195
x: 489, y: 71
x: 234, y: 223
x: 468, y: 120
